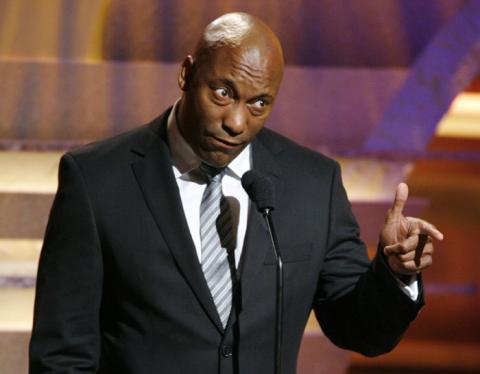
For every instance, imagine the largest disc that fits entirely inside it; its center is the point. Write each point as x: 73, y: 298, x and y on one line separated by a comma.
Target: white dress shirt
x: 191, y: 189
x: 191, y: 192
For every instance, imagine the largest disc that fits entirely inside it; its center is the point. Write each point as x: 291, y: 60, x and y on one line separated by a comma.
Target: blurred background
x: 390, y: 88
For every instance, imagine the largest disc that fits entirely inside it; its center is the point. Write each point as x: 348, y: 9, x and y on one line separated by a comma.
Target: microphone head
x: 260, y: 189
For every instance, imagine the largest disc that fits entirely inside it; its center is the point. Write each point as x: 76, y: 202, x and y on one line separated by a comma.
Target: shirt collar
x: 184, y: 158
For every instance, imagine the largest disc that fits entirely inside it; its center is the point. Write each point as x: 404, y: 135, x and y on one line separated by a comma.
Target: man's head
x: 229, y: 86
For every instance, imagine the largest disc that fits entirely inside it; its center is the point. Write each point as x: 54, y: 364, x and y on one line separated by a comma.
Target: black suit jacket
x: 120, y: 288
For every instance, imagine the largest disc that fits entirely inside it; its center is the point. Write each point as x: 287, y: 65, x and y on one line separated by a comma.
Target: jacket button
x: 227, y: 351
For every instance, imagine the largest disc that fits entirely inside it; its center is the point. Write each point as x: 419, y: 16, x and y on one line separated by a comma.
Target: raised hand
x: 406, y: 242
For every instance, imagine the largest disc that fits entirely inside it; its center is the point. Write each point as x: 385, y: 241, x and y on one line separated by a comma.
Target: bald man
x: 136, y: 278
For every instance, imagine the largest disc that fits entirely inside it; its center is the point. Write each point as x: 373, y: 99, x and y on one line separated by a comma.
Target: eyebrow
x: 232, y: 85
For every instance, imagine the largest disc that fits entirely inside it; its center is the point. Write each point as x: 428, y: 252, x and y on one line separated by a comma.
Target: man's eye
x: 259, y: 104
x: 221, y: 92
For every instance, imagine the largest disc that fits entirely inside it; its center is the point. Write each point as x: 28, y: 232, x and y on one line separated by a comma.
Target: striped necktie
x: 217, y: 240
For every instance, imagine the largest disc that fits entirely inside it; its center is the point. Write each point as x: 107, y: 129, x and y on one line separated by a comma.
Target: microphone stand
x: 279, y: 290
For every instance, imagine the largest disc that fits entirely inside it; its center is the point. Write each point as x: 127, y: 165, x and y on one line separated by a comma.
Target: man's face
x: 228, y: 96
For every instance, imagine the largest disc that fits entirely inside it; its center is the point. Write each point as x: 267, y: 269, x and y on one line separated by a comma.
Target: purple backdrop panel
x: 333, y: 109
x: 446, y: 67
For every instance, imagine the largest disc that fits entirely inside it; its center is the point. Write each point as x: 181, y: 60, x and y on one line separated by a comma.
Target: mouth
x: 224, y: 143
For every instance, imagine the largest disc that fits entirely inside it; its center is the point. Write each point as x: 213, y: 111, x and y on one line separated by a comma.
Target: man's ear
x: 186, y: 73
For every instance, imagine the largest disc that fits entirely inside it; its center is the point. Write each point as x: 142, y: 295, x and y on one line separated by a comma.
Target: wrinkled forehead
x: 253, y: 58
x: 247, y: 65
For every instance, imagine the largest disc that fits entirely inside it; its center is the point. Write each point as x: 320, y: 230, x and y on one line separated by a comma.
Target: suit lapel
x: 155, y: 176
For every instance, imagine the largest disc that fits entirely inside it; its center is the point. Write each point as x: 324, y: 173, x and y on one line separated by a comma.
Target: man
x: 146, y: 269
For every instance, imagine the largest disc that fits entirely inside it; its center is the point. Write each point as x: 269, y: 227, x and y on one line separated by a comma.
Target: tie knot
x: 211, y: 172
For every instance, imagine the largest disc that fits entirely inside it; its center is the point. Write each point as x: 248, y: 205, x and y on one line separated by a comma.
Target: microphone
x: 261, y: 191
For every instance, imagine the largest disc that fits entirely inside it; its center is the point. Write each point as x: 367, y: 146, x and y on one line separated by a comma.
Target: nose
x: 235, y: 120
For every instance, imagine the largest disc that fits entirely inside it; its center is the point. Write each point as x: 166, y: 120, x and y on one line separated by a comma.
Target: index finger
x: 420, y: 226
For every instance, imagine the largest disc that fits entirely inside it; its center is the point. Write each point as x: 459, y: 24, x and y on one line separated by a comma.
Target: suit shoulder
x: 110, y: 145
x: 117, y: 149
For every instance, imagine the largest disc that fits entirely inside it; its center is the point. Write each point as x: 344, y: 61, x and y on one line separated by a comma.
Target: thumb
x: 401, y: 196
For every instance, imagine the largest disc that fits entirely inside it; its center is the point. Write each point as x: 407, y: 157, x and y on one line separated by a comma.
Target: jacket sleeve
x: 65, y: 336
x: 359, y: 304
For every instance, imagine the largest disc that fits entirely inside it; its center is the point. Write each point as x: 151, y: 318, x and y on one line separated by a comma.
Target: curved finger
x: 420, y: 226
x: 404, y: 247
x: 420, y: 250
x: 423, y: 263
x: 394, y: 249
x: 410, y: 267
